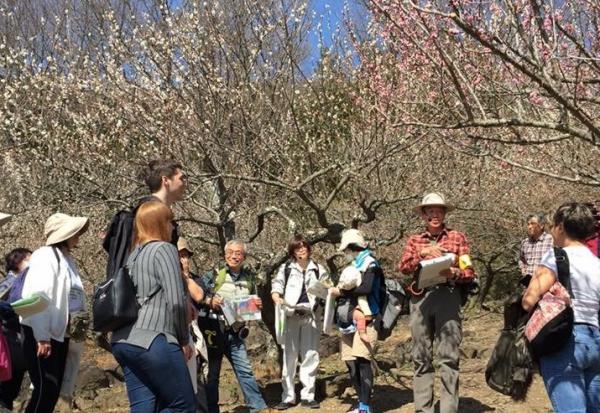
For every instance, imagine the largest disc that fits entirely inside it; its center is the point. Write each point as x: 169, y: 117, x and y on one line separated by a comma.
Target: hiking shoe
x: 283, y: 406
x: 311, y: 404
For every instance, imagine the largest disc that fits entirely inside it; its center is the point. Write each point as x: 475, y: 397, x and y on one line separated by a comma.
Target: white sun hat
x: 433, y: 199
x: 60, y: 227
x: 352, y: 236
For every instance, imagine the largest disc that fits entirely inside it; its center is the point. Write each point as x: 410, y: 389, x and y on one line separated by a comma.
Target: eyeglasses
x: 230, y: 253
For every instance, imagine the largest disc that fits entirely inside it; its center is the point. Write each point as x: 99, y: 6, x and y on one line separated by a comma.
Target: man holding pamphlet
x: 436, y: 301
x: 229, y: 301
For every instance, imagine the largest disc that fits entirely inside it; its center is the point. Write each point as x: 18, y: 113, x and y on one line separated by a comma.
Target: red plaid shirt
x: 448, y: 239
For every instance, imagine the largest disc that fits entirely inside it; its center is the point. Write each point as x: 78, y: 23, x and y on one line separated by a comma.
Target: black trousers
x: 361, y: 376
x: 46, y: 373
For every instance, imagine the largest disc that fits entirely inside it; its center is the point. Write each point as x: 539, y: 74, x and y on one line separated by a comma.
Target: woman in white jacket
x: 302, y: 327
x: 52, y: 271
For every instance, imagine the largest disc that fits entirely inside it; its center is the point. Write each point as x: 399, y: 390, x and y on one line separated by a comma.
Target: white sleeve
x: 41, y: 278
x: 549, y: 261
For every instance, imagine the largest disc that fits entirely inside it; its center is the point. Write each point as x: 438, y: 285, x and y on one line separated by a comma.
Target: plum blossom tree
x: 515, y: 81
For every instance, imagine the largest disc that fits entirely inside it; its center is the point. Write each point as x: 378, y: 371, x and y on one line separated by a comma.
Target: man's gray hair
x: 540, y: 217
x: 233, y: 242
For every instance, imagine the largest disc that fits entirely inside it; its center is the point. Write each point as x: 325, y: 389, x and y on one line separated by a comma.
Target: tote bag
x: 551, y: 324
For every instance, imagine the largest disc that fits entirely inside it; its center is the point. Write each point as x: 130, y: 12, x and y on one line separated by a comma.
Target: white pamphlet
x: 280, y: 316
x: 319, y: 288
x: 329, y: 313
x: 429, y: 270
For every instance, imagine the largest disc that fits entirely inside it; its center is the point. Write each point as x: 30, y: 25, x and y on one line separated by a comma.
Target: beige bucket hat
x: 4, y: 218
x: 183, y: 245
x: 433, y: 199
x: 352, y: 236
x: 60, y: 227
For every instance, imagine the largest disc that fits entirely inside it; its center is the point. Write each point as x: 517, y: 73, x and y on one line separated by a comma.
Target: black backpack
x: 119, y: 236
x: 118, y: 239
x: 510, y: 368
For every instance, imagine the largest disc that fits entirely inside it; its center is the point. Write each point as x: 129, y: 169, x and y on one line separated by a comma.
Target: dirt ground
x: 393, y: 391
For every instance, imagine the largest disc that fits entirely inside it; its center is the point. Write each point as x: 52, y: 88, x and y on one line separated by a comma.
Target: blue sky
x: 330, y: 14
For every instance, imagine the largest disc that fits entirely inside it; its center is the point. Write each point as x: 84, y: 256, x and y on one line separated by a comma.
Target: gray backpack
x: 394, y: 303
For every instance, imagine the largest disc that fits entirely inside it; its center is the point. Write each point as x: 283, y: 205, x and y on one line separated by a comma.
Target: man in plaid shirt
x: 533, y: 247
x: 435, y: 312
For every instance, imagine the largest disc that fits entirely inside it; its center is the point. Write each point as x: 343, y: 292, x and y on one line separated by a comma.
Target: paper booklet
x: 429, y: 270
x: 241, y: 309
x: 319, y: 288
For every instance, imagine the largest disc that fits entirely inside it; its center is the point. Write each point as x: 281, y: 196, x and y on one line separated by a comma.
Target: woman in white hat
x: 358, y: 352
x: 53, y: 272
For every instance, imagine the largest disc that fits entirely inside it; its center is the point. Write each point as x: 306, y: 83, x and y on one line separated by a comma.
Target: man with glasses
x: 533, y: 247
x: 222, y: 338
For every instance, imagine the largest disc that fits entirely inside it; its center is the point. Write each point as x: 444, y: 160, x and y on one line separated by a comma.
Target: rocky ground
x: 100, y: 388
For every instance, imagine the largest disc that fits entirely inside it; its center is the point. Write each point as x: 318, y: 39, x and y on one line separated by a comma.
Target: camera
x: 238, y: 327
x: 241, y: 330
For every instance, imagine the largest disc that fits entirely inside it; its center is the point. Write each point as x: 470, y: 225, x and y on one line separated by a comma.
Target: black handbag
x: 115, y: 304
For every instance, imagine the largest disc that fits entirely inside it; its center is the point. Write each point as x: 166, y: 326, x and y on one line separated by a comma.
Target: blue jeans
x: 235, y: 351
x: 157, y: 379
x: 572, y: 376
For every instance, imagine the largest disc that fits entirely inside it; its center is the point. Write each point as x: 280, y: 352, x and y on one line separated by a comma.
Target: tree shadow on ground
x: 387, y: 397
x: 470, y: 405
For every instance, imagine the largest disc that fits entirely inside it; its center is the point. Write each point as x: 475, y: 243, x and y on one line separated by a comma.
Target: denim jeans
x: 235, y: 351
x: 572, y: 376
x: 157, y: 379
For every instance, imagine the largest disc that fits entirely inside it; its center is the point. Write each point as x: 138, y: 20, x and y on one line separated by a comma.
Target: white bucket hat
x: 183, y: 245
x: 4, y: 218
x: 433, y: 199
x: 60, y: 227
x: 352, y: 236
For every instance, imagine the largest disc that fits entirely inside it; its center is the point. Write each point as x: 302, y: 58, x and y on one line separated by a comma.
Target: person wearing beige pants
x: 435, y: 311
x: 436, y: 316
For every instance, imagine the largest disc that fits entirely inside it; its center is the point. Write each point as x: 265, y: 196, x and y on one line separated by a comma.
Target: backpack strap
x: 287, y: 270
x: 220, y: 277
x: 158, y: 286
x: 55, y: 251
x: 562, y: 266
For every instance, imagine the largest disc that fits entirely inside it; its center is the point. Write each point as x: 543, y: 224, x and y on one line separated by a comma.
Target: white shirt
x: 585, y: 281
x: 77, y: 293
